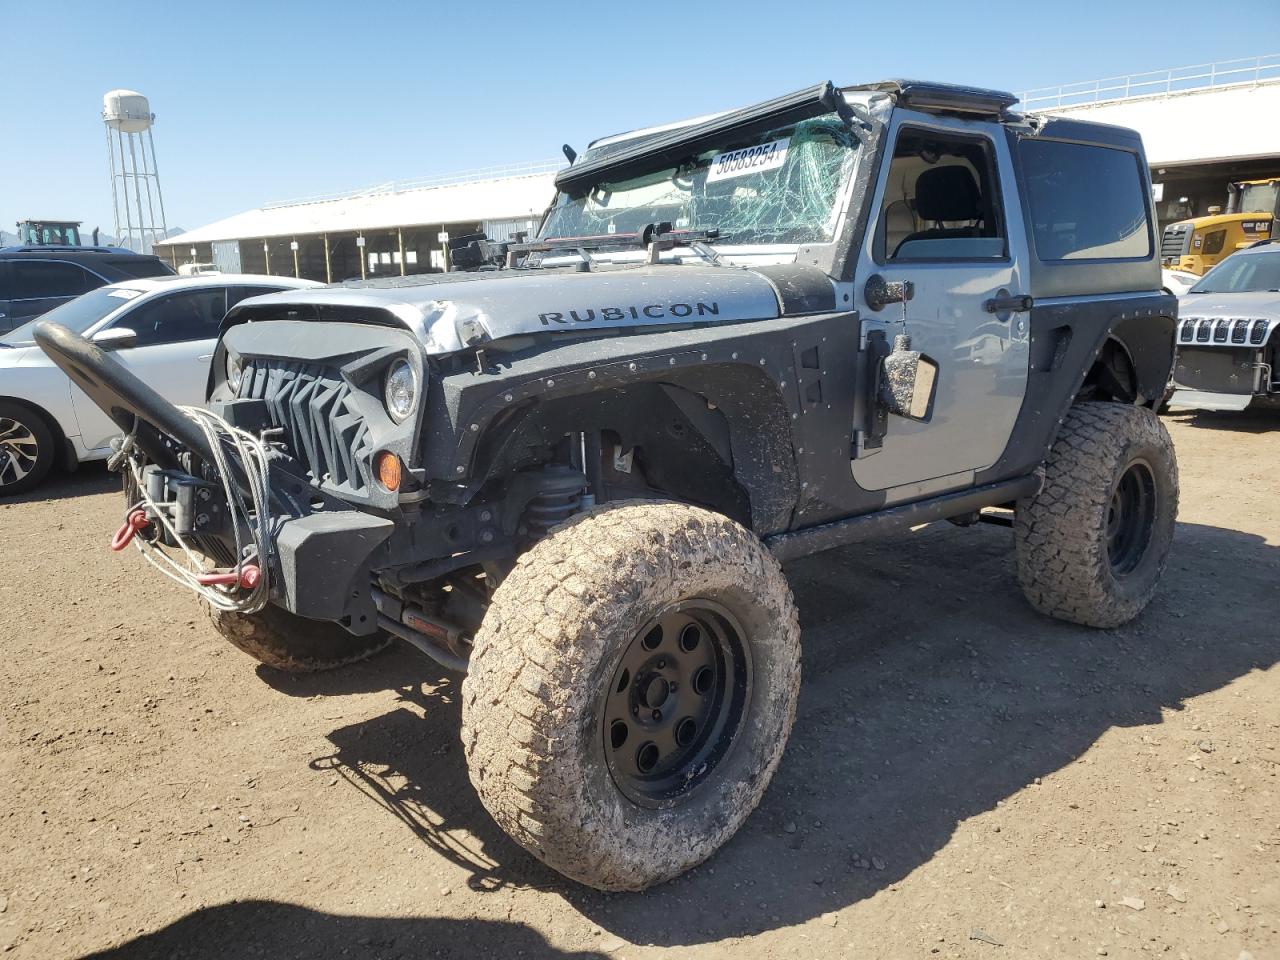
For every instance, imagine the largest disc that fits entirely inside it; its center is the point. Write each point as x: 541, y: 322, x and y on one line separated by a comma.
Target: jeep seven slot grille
x: 1203, y: 330
x: 1259, y: 332
x: 1239, y: 331
x: 1220, y: 330
x: 1188, y: 330
x: 322, y: 428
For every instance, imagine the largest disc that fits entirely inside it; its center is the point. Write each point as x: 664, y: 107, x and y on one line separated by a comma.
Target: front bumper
x: 321, y: 562
x: 1219, y: 378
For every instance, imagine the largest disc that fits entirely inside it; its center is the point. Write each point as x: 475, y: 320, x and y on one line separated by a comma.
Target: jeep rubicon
x: 574, y: 471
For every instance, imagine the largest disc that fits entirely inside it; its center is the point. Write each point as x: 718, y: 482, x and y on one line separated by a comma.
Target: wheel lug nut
x: 657, y: 714
x: 661, y: 663
x: 673, y: 686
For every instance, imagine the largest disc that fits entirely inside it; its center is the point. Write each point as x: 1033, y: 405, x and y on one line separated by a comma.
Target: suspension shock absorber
x: 559, y: 496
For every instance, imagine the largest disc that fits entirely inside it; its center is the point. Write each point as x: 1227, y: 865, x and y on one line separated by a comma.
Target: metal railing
x: 500, y: 172
x: 1246, y: 71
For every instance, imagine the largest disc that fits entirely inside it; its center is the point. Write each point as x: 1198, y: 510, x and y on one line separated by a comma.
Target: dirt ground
x: 965, y: 777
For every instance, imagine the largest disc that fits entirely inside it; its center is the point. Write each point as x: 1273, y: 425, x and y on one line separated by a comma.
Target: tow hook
x: 133, y: 523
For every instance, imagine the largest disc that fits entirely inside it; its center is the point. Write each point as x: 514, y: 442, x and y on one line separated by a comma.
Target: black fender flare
x: 739, y: 372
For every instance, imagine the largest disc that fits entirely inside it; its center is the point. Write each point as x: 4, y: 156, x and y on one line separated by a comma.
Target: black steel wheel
x: 673, y: 707
x: 1131, y: 517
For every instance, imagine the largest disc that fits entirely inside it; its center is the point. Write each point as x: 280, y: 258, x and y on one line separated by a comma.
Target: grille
x: 1259, y: 332
x: 1202, y: 331
x: 1188, y: 330
x: 1239, y: 331
x: 322, y: 428
x: 1221, y: 329
x: 1174, y: 242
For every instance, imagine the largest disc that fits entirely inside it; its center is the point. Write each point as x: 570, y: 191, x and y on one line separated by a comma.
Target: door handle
x: 1014, y: 304
x: 204, y: 356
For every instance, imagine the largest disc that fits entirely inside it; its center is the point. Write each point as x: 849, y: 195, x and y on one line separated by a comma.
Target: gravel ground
x: 965, y: 778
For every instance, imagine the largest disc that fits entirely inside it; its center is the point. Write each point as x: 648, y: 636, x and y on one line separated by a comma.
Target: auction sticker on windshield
x: 739, y: 163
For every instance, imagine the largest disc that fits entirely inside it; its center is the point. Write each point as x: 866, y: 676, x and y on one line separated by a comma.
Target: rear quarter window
x: 1086, y: 202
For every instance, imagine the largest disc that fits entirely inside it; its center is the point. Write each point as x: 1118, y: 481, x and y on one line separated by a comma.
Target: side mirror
x: 908, y: 382
x: 115, y: 338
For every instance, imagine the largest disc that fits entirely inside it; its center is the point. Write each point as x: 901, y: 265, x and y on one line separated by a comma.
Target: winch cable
x: 245, y: 588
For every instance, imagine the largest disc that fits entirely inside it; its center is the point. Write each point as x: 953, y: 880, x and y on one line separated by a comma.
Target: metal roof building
x: 1203, y: 126
x: 393, y: 228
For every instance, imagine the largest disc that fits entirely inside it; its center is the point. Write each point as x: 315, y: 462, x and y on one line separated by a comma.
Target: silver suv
x: 1228, y: 350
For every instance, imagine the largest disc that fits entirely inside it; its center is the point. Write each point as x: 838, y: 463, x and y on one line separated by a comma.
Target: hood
x: 1262, y: 304
x: 25, y: 355
x: 452, y: 311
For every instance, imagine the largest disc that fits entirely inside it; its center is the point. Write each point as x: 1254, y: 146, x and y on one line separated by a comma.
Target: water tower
x: 134, y: 175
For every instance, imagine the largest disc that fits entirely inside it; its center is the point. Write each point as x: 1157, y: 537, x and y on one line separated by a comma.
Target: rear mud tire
x: 293, y: 644
x: 536, y: 699
x: 1075, y: 561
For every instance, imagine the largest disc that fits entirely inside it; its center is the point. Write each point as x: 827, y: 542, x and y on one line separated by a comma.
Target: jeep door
x: 945, y: 217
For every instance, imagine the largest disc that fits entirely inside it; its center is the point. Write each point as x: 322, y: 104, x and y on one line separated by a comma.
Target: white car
x: 1178, y: 282
x: 162, y: 328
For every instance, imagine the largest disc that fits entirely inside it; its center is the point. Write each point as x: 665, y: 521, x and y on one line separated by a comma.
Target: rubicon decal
x: 649, y: 311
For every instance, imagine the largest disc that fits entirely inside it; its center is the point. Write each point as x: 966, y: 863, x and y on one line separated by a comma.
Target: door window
x: 941, y: 201
x: 178, y: 317
x: 40, y: 280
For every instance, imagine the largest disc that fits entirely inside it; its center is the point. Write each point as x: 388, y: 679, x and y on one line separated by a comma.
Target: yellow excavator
x: 1195, y: 245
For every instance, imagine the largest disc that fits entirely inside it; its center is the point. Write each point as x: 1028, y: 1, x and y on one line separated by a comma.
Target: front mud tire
x: 1077, y: 559
x: 543, y: 680
x: 293, y: 644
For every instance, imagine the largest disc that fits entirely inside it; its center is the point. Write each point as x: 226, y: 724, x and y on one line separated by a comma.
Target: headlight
x: 233, y: 366
x: 401, y: 391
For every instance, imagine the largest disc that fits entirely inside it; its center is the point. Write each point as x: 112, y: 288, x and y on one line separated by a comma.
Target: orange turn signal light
x: 388, y: 467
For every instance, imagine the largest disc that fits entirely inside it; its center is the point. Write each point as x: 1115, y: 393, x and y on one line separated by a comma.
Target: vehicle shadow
x: 88, y: 479
x: 267, y: 928
x: 932, y: 693
x: 400, y: 667
x: 1253, y: 420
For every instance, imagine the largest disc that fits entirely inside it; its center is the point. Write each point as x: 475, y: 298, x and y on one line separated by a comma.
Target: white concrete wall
x: 1199, y: 126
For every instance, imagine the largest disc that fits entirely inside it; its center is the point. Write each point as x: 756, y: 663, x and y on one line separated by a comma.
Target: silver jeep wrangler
x: 575, y: 470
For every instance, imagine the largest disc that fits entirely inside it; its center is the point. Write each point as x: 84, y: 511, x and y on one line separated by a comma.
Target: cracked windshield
x: 780, y: 187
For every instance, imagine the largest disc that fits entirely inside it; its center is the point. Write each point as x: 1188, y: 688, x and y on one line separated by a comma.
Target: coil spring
x: 561, y: 498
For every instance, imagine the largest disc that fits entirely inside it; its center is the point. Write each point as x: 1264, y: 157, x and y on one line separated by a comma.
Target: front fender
x: 739, y: 371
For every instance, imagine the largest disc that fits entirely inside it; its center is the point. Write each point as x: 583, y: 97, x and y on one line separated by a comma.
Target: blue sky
x: 266, y: 101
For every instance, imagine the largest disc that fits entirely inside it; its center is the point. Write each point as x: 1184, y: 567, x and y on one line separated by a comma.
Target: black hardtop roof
x: 944, y: 97
x: 620, y: 152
